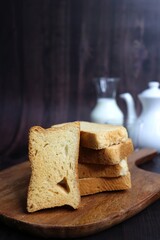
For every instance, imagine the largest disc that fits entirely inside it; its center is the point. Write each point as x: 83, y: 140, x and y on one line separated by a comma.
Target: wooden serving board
x: 96, y: 213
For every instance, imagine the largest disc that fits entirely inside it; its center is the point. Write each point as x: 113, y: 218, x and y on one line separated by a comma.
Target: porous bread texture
x: 88, y: 170
x: 110, y: 155
x: 90, y: 186
x: 53, y: 154
x: 99, y: 136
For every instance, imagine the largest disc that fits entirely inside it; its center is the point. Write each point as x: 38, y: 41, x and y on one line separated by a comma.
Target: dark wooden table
x: 145, y: 225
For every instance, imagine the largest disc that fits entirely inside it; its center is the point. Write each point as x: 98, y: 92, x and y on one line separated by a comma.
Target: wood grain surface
x: 52, y: 50
x: 96, y: 213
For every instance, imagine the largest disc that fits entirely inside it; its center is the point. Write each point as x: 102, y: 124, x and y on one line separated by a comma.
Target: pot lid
x: 152, y: 91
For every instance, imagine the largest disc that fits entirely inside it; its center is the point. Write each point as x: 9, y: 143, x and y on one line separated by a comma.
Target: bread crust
x: 88, y: 170
x: 90, y: 186
x: 99, y: 136
x: 110, y: 155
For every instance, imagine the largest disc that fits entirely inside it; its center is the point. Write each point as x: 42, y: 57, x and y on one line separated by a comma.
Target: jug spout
x: 131, y: 112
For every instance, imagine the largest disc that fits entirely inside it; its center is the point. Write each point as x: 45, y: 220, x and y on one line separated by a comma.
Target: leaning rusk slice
x: 53, y: 154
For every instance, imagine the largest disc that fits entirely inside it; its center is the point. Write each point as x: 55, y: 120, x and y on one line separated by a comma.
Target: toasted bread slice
x: 53, y: 154
x: 109, y: 155
x: 99, y: 136
x: 87, y: 170
x: 90, y: 186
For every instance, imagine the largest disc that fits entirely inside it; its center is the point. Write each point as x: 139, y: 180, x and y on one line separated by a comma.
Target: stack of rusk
x: 103, y: 155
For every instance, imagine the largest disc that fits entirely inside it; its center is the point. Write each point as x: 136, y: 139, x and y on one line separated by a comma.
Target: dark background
x: 50, y: 51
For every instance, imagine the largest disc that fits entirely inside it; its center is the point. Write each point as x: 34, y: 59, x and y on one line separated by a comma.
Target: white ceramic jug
x: 145, y: 129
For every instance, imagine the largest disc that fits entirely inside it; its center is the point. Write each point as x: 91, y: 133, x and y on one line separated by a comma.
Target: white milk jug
x: 106, y: 109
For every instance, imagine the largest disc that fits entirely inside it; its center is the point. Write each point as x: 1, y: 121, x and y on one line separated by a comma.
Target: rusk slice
x: 99, y: 136
x: 87, y: 170
x: 90, y: 186
x: 109, y: 155
x: 53, y: 154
